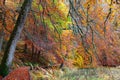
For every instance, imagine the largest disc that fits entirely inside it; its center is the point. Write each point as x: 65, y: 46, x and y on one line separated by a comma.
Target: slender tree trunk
x: 1, y: 39
x: 3, y: 24
x: 33, y: 51
x: 25, y: 48
x: 11, y: 45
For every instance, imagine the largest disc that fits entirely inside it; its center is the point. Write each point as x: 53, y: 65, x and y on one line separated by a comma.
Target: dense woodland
x: 40, y: 36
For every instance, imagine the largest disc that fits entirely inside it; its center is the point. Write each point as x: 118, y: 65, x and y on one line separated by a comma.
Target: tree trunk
x: 1, y: 39
x: 25, y: 48
x: 11, y: 45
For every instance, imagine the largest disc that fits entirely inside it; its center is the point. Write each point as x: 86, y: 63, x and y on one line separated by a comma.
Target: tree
x: 1, y: 39
x: 11, y: 45
x: 2, y: 17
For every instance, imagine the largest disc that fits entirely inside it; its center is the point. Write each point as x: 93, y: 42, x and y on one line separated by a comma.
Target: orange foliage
x: 21, y: 73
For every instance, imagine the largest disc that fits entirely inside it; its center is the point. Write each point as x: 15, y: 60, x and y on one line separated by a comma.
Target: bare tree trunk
x: 1, y: 39
x: 3, y: 24
x: 25, y: 48
x: 11, y: 45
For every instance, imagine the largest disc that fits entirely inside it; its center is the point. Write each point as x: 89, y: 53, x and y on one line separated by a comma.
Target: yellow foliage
x: 66, y: 33
x: 90, y: 2
x: 78, y: 60
x: 63, y: 8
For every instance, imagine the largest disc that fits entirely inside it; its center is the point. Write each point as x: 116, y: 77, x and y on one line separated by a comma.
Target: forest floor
x: 77, y: 74
x: 38, y: 73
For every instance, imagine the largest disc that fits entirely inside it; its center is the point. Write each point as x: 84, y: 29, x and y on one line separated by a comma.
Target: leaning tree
x: 11, y: 45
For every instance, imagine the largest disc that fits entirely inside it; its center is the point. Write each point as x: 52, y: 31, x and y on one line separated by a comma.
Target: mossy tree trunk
x: 11, y: 45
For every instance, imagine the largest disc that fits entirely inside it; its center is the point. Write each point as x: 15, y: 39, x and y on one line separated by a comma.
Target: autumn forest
x: 59, y: 39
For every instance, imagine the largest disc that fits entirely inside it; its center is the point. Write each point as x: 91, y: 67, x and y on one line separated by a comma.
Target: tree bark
x: 11, y: 45
x: 1, y: 39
